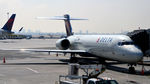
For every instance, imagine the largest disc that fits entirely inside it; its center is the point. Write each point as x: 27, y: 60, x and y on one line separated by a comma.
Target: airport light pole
x: 8, y: 15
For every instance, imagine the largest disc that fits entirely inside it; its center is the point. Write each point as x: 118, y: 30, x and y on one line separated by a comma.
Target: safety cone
x: 57, y: 54
x: 142, y: 72
x: 4, y: 61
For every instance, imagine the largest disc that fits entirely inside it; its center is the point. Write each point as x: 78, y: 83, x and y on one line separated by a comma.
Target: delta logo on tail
x: 8, y: 26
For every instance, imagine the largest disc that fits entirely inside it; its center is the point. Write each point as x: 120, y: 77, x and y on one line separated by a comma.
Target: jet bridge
x: 142, y: 39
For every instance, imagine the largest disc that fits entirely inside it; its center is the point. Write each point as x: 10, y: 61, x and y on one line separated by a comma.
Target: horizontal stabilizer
x: 59, y: 18
x: 67, y: 19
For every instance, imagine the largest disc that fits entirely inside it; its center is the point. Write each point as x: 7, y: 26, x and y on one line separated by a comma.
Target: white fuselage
x: 114, y: 47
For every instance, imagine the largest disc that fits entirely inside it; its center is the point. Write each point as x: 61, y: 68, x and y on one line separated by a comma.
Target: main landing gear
x: 73, y: 59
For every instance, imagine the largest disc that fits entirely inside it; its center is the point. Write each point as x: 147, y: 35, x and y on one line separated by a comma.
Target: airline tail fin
x: 67, y: 19
x: 68, y: 25
x: 9, y: 24
x: 20, y: 29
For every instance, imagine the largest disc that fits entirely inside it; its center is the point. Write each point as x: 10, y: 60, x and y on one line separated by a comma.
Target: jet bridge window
x: 125, y: 43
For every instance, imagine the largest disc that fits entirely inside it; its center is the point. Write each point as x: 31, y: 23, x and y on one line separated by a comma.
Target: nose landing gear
x: 132, y: 69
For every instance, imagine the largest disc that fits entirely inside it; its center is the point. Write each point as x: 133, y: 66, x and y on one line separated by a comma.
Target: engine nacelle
x: 63, y: 44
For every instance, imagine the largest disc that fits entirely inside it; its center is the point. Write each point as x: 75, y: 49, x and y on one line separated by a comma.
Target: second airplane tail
x: 67, y: 19
x: 8, y: 26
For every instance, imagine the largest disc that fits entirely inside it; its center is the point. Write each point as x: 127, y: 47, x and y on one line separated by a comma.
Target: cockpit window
x: 125, y: 43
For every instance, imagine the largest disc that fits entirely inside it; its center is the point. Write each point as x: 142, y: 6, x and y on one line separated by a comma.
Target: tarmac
x: 42, y: 68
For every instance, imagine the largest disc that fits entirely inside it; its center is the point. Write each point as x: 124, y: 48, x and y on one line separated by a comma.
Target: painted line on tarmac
x: 32, y: 70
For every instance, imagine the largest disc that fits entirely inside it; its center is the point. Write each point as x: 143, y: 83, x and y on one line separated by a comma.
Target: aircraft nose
x: 136, y: 54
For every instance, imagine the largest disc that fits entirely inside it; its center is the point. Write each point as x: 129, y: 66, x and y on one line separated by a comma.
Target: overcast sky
x: 104, y: 16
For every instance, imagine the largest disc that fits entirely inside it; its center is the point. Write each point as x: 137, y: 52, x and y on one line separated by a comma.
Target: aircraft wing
x: 47, y: 50
x: 54, y: 51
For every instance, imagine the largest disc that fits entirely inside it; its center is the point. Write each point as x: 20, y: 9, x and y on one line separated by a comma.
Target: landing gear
x: 73, y: 59
x: 102, y: 61
x: 132, y: 70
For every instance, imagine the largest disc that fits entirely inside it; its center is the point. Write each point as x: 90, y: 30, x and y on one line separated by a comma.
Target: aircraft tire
x: 132, y: 70
x: 73, y: 60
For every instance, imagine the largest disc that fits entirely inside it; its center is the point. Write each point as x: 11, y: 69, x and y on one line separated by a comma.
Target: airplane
x: 103, y: 47
x: 8, y: 26
x: 6, y: 29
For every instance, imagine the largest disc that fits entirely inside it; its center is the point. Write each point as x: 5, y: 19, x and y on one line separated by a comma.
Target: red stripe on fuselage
x: 98, y: 40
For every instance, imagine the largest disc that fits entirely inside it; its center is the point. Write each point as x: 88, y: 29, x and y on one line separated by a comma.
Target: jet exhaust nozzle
x: 63, y: 44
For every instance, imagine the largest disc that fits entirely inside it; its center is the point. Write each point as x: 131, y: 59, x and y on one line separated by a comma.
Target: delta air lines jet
x: 113, y: 47
x: 8, y: 26
x: 6, y: 29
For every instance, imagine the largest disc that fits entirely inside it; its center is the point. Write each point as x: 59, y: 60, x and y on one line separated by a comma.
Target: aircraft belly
x: 110, y: 54
x: 101, y: 52
x: 126, y: 57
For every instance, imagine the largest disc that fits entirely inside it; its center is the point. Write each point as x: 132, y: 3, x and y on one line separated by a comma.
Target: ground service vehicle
x: 102, y: 80
x: 90, y: 77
